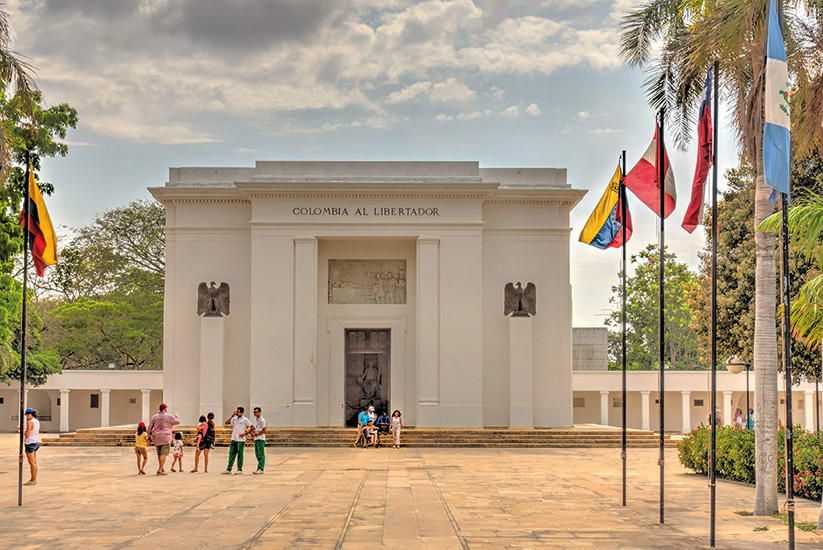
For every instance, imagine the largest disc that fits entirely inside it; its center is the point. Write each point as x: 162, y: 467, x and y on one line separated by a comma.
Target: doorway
x: 368, y: 370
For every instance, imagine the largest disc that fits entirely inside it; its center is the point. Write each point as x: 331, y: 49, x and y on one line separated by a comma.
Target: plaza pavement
x: 345, y: 498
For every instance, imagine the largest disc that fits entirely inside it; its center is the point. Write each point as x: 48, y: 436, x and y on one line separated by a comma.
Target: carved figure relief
x: 519, y: 301
x: 367, y: 281
x: 368, y: 369
x: 213, y: 301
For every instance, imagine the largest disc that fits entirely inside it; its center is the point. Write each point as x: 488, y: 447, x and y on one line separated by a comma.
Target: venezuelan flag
x: 603, y: 229
x: 42, y: 238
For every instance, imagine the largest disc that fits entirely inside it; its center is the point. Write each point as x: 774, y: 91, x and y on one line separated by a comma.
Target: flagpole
x: 623, y: 209
x: 713, y: 452
x: 661, y: 180
x: 24, y: 323
x: 787, y: 344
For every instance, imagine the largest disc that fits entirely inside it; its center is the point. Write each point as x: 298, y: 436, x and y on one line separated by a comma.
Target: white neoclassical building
x: 369, y: 282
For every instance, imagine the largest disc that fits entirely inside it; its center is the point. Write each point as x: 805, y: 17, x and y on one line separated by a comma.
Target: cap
x: 371, y: 408
x: 29, y: 411
x: 142, y: 425
x: 163, y: 406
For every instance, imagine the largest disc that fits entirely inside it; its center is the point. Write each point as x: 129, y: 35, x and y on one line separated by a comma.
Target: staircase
x: 589, y: 436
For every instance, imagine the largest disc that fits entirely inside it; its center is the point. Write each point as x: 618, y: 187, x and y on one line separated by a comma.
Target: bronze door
x: 368, y: 368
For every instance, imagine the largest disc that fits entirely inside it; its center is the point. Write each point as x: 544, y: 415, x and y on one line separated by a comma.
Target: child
x: 141, y: 439
x: 178, y: 452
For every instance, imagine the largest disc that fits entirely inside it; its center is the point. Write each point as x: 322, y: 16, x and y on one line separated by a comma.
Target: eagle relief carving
x: 213, y: 300
x: 519, y: 301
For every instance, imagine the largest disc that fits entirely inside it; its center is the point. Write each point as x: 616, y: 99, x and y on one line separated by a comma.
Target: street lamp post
x: 735, y: 365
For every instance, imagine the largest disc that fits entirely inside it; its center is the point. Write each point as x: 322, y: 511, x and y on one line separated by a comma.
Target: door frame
x: 336, y: 328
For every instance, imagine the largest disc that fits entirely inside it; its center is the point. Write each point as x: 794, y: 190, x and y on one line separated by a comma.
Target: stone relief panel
x: 367, y: 281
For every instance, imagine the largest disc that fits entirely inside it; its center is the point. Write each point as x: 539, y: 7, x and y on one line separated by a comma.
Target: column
x: 604, y: 407
x: 145, y: 405
x: 212, y: 359
x: 64, y: 410
x: 808, y: 404
x: 105, y: 407
x: 521, y: 368
x: 728, y: 414
x: 685, y: 399
x: 644, y: 409
x: 304, y: 412
x: 271, y: 342
x: 428, y: 331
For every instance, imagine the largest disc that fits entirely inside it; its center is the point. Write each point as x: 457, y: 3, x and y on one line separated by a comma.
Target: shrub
x: 735, y: 457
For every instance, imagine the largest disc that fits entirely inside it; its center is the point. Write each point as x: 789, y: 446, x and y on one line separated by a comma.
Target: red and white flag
x: 642, y: 179
x: 694, y: 212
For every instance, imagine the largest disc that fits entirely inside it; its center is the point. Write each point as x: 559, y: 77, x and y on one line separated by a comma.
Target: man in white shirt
x: 259, y: 440
x: 239, y: 424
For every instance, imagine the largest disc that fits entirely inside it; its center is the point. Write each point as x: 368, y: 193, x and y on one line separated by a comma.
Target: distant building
x: 590, y: 348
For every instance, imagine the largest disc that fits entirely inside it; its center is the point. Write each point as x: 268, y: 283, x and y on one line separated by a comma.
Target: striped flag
x: 42, y: 239
x: 694, y: 212
x: 603, y: 228
x: 776, y: 131
x: 642, y: 179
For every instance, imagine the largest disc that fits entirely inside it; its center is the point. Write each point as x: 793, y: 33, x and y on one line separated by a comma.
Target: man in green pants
x: 239, y: 424
x: 259, y: 440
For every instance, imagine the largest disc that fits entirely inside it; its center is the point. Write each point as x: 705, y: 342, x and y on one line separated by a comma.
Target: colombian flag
x: 42, y: 239
x: 603, y: 229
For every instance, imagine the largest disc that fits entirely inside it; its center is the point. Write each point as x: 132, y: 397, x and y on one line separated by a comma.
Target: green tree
x: 736, y: 273
x: 50, y: 124
x: 126, y: 330
x: 678, y: 41
x: 642, y: 327
x: 109, y: 285
x: 122, y: 251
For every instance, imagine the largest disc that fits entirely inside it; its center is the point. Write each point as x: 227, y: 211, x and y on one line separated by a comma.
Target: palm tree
x: 806, y: 228
x: 677, y: 41
x: 16, y: 81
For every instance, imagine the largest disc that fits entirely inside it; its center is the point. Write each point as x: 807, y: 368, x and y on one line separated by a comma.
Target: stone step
x: 412, y: 437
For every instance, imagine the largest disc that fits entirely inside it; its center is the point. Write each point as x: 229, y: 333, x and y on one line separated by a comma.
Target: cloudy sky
x: 160, y: 83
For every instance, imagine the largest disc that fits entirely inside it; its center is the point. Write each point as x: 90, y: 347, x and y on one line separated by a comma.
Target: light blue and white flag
x: 776, y: 133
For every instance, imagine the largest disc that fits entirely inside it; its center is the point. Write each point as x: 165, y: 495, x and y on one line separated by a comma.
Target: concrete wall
x: 590, y: 348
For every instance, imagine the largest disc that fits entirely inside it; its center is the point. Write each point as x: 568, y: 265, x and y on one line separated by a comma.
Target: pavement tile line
x: 347, y: 523
x: 463, y: 542
x: 253, y: 540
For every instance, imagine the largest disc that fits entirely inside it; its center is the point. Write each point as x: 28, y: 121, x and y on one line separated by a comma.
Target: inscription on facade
x: 367, y: 281
x: 399, y: 211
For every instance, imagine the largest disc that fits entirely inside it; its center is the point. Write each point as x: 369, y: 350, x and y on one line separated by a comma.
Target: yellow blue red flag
x: 603, y: 229
x: 42, y: 240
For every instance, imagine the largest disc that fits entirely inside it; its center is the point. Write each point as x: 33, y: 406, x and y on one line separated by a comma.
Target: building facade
x: 356, y: 283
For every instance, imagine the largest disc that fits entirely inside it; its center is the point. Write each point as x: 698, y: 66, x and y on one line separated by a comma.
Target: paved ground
x: 344, y: 498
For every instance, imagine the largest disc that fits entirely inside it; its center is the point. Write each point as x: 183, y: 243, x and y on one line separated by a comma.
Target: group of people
x: 160, y: 432
x: 370, y: 426
x: 740, y: 421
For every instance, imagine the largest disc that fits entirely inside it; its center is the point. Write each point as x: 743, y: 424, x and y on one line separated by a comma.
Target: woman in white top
x: 32, y: 435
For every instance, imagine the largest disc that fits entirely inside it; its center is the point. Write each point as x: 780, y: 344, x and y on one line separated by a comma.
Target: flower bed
x: 735, y: 457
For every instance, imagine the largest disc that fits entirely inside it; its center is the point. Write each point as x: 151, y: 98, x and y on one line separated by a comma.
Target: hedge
x: 735, y: 457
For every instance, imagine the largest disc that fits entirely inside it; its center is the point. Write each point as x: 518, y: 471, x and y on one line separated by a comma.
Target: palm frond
x: 807, y: 313
x: 805, y: 222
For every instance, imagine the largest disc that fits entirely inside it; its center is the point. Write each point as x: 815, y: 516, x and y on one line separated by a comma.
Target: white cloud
x: 442, y: 117
x: 470, y: 116
x: 147, y: 72
x: 533, y: 109
x: 604, y: 131
x: 443, y: 92
x: 511, y: 111
x: 409, y: 92
x: 583, y: 115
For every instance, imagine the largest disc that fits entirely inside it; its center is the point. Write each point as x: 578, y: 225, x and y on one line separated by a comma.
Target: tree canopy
x: 682, y: 352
